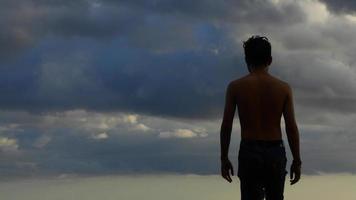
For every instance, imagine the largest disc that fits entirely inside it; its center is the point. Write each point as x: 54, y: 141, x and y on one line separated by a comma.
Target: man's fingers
x: 227, y: 177
x: 294, y: 181
x: 296, y: 177
x: 294, y: 174
x: 291, y: 174
x: 225, y: 174
x: 232, y: 172
x: 225, y: 171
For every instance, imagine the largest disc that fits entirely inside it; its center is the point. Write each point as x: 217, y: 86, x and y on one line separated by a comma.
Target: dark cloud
x: 26, y: 22
x: 115, y: 78
x: 122, y: 55
x: 343, y: 6
x: 96, y: 74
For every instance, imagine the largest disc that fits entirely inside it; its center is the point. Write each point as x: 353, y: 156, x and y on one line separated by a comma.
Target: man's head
x: 257, y: 52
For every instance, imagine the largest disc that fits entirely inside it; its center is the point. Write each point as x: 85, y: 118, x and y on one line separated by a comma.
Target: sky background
x: 134, y: 86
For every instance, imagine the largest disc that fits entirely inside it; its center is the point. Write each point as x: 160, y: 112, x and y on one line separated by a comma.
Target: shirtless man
x: 261, y: 100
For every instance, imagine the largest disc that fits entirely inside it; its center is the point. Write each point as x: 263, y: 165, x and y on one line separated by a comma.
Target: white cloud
x: 130, y: 118
x: 141, y: 127
x: 100, y: 136
x: 315, y: 11
x: 42, y: 141
x: 86, y: 121
x: 181, y: 133
x: 351, y: 17
x: 8, y: 144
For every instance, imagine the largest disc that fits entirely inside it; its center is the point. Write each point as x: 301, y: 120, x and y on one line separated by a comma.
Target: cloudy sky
x: 137, y: 86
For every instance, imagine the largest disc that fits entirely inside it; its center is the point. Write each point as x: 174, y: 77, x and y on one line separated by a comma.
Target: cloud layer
x: 121, y: 86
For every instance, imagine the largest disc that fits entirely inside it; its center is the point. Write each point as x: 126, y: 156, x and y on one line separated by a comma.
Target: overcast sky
x: 137, y: 86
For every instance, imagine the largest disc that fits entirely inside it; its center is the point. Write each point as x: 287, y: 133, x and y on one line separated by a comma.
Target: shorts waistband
x: 264, y: 143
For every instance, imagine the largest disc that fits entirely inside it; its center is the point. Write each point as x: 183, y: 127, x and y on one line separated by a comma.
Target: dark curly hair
x: 257, y: 51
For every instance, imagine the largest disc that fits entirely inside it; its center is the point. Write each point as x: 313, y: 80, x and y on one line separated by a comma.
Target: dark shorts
x: 262, y: 169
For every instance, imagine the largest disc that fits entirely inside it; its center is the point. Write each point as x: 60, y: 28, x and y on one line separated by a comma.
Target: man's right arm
x: 292, y: 135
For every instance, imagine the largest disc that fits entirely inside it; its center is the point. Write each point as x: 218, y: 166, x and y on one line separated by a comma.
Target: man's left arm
x: 225, y: 133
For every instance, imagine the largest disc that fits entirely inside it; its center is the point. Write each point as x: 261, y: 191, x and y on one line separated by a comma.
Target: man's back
x: 260, y: 99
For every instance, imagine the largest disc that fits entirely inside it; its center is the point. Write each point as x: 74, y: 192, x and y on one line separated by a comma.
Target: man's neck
x: 262, y: 70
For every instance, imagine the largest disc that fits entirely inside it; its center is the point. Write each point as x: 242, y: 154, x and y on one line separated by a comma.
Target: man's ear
x: 270, y: 60
x: 248, y: 66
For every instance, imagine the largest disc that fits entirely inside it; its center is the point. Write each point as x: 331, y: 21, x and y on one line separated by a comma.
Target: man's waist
x: 263, y: 143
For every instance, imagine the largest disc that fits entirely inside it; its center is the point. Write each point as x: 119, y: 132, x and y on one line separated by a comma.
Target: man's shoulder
x: 280, y: 81
x: 246, y: 80
x: 282, y: 85
x: 238, y: 81
x: 234, y: 84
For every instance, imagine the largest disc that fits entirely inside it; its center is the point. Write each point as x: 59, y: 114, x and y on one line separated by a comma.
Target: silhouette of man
x: 261, y: 100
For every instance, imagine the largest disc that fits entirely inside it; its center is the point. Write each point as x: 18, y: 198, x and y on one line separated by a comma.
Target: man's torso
x: 260, y: 99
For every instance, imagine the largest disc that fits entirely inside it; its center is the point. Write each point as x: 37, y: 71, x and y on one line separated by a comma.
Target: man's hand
x: 226, y: 166
x: 295, y: 172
